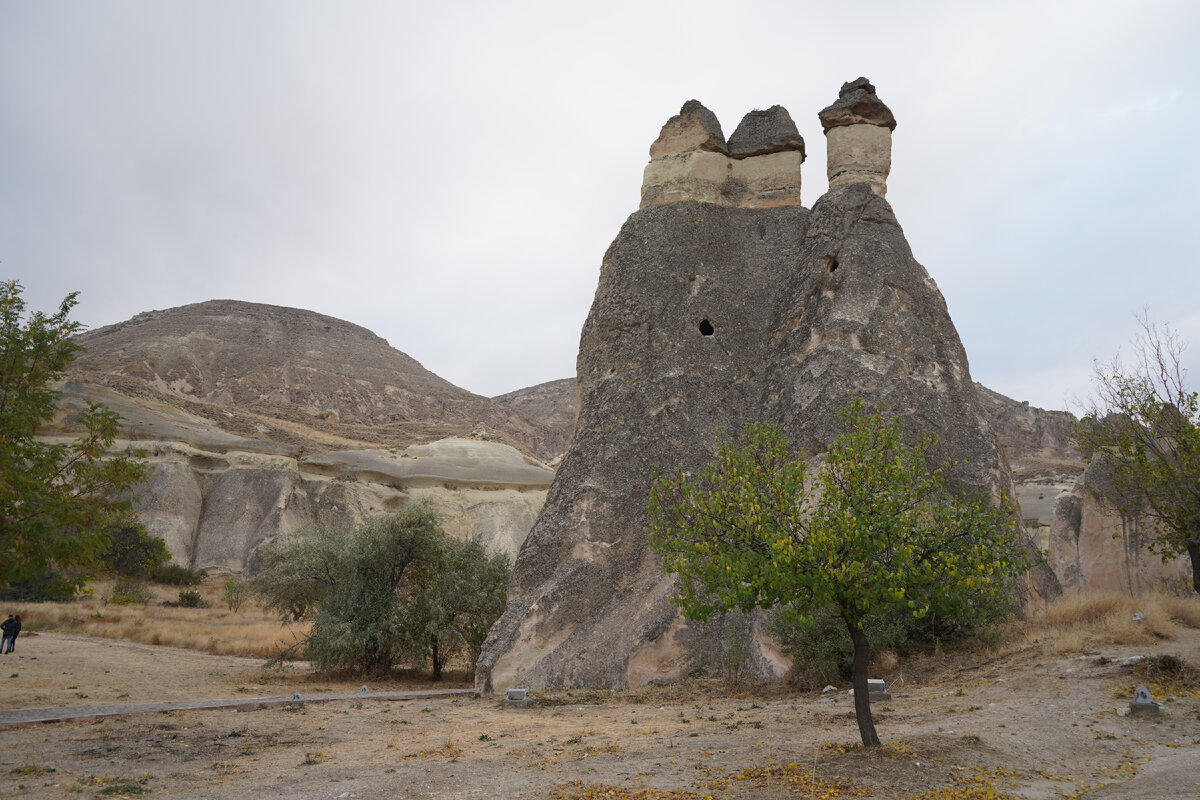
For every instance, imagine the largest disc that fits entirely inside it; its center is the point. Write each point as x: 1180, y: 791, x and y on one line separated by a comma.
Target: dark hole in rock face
x: 833, y: 265
x: 706, y: 328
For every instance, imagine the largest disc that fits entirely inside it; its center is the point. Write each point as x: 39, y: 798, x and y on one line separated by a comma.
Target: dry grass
x: 1081, y: 622
x: 249, y: 632
x: 1072, y: 624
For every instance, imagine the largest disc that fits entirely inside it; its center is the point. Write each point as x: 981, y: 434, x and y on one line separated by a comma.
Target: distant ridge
x: 249, y: 365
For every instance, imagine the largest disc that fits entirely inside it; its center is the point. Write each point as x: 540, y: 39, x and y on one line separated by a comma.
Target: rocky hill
x: 295, y: 377
x: 257, y: 420
x: 553, y: 404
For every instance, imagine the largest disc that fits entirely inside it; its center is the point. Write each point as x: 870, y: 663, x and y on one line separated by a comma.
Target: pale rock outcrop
x: 708, y: 316
x: 1093, y: 547
x: 1040, y: 448
x: 177, y: 506
x: 215, y: 498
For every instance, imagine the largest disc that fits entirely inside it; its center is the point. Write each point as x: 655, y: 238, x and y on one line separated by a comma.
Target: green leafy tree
x: 873, y: 529
x: 454, y: 601
x: 131, y: 551
x: 395, y: 588
x: 353, y: 587
x: 1144, y: 423
x: 56, y: 498
x: 234, y: 593
x: 360, y: 626
x: 299, y: 571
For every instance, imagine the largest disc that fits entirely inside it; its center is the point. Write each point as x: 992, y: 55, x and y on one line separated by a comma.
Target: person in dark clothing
x: 12, y: 633
x: 6, y: 627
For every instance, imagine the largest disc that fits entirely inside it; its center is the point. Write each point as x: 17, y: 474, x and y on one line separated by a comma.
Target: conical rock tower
x: 724, y: 301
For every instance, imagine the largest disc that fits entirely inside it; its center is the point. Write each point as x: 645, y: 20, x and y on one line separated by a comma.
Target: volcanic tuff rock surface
x: 1093, y: 546
x: 709, y: 315
x: 258, y: 419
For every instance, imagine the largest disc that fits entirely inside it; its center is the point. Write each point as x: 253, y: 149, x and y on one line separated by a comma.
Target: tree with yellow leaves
x: 869, y: 529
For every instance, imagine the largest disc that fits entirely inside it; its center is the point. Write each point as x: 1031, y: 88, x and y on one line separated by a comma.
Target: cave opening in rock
x: 706, y: 328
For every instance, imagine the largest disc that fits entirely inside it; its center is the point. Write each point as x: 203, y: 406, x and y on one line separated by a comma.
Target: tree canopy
x: 56, y: 497
x: 454, y: 602
x: 394, y: 589
x: 872, y: 528
x: 131, y: 551
x: 1144, y: 422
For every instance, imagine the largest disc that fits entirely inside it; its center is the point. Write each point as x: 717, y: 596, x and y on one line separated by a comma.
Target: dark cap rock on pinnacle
x: 764, y: 132
x: 857, y: 104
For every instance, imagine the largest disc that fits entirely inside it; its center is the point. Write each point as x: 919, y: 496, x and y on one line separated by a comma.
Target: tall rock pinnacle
x: 711, y: 313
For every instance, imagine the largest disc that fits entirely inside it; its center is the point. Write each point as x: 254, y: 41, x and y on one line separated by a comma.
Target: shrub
x: 453, y: 601
x: 50, y: 586
x: 177, y: 575
x: 126, y: 592
x: 190, y: 598
x: 234, y: 593
x: 131, y: 550
x: 822, y: 653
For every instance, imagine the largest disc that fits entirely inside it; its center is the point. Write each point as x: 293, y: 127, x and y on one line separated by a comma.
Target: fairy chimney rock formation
x: 858, y: 137
x: 712, y: 311
x: 758, y: 168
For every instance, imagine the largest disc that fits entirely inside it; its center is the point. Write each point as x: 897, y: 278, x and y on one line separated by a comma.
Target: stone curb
x: 28, y: 716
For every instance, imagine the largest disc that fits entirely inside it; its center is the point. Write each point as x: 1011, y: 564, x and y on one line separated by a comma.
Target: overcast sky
x: 449, y: 174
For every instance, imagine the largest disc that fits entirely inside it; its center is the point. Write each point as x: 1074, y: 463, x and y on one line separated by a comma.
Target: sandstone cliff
x: 709, y: 313
x: 1041, y: 452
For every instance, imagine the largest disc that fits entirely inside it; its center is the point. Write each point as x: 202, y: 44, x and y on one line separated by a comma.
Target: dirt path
x: 1026, y: 725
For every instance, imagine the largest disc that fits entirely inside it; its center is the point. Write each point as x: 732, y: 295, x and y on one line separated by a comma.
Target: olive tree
x: 395, y: 588
x: 454, y: 601
x: 871, y: 529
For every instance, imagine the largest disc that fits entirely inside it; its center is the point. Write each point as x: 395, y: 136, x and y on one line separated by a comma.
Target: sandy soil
x: 1022, y: 725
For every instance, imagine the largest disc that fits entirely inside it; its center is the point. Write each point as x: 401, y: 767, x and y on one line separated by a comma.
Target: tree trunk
x: 436, y: 655
x: 1193, y: 550
x: 862, y: 695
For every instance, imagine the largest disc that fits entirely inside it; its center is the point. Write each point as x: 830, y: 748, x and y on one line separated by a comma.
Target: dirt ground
x: 1022, y: 725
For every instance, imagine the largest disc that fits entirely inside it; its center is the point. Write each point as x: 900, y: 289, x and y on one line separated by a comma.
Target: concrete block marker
x: 1144, y: 704
x: 877, y: 689
x: 517, y: 698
